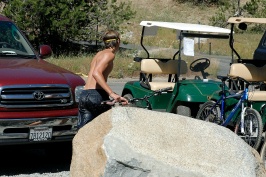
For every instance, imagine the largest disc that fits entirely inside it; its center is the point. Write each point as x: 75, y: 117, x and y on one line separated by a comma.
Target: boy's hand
x: 119, y: 99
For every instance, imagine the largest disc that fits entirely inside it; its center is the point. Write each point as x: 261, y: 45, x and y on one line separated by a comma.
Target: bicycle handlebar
x: 240, y: 79
x: 133, y: 100
x: 146, y: 97
x: 249, y: 82
x: 224, y: 78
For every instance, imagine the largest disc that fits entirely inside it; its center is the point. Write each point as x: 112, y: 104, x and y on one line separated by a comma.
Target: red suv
x: 38, y: 102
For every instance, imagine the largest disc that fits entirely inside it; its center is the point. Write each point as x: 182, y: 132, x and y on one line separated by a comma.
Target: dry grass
x: 76, y: 64
x: 123, y: 64
x: 246, y: 44
x: 165, y: 10
x: 168, y: 10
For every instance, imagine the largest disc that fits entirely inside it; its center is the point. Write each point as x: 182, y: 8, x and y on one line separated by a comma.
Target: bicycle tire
x: 205, y: 114
x: 263, y: 153
x: 253, y: 137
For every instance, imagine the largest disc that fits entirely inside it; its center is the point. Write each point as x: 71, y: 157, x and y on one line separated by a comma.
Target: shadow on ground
x: 25, y: 159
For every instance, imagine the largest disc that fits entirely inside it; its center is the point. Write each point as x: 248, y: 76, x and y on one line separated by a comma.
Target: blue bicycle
x: 245, y: 120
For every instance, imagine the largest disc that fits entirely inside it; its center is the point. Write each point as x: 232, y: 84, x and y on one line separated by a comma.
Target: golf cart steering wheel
x: 199, y: 65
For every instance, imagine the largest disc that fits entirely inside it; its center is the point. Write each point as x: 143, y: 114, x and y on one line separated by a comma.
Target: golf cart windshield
x: 187, y: 42
x: 242, y: 25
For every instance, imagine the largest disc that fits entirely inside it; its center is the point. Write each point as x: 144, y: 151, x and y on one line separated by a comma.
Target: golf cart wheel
x: 129, y: 97
x: 183, y: 110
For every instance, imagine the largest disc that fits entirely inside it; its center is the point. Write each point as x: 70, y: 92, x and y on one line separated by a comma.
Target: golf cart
x: 190, y: 77
x: 253, y: 70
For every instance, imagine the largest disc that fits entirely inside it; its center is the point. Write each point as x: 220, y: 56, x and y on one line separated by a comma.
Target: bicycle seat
x: 223, y: 78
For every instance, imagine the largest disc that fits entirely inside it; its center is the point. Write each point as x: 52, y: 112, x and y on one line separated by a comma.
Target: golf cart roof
x: 238, y: 20
x: 186, y: 27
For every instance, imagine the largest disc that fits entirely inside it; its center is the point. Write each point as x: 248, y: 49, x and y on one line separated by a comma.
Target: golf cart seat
x: 250, y: 73
x: 160, y: 67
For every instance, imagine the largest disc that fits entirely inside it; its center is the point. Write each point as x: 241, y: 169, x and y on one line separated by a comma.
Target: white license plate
x: 40, y: 134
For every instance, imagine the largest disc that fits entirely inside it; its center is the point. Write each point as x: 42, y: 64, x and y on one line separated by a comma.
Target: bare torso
x: 100, y: 68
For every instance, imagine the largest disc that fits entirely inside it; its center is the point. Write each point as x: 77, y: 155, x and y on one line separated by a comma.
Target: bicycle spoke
x: 209, y: 113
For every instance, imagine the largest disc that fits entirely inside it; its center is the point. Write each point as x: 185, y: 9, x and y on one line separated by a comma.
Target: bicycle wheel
x: 263, y: 153
x: 209, y: 112
x: 252, y: 128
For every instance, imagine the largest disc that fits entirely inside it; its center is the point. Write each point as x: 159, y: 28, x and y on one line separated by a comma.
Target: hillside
x: 166, y: 10
x: 170, y: 10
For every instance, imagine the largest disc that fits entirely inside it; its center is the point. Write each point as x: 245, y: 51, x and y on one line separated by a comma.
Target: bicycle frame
x: 243, y: 97
x: 147, y: 101
x: 147, y: 97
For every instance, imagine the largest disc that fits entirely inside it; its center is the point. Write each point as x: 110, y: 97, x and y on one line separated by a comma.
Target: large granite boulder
x: 134, y: 142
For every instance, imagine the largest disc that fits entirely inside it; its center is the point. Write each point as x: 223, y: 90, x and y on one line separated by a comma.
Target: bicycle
x: 146, y: 98
x: 248, y: 126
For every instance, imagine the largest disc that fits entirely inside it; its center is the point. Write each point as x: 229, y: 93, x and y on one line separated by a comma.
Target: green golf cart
x: 187, y: 70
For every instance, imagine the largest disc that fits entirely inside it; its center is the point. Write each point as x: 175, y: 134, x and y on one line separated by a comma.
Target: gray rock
x: 134, y: 142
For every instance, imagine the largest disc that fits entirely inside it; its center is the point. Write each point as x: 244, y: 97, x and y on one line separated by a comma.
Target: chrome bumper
x: 16, y: 131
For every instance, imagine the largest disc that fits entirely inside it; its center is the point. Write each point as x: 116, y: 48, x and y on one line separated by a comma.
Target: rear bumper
x: 16, y: 131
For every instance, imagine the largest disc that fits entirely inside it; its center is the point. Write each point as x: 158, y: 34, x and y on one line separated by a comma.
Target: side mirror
x: 45, y: 51
x: 242, y: 26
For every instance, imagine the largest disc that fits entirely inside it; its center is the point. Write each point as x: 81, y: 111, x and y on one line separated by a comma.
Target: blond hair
x: 110, y: 38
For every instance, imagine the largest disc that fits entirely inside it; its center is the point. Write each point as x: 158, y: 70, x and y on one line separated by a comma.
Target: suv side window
x: 11, y: 40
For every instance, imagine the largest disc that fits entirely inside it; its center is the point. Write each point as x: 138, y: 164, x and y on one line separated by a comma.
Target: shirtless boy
x: 96, y: 89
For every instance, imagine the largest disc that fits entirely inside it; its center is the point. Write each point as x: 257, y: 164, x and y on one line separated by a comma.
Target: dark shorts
x: 90, y: 105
